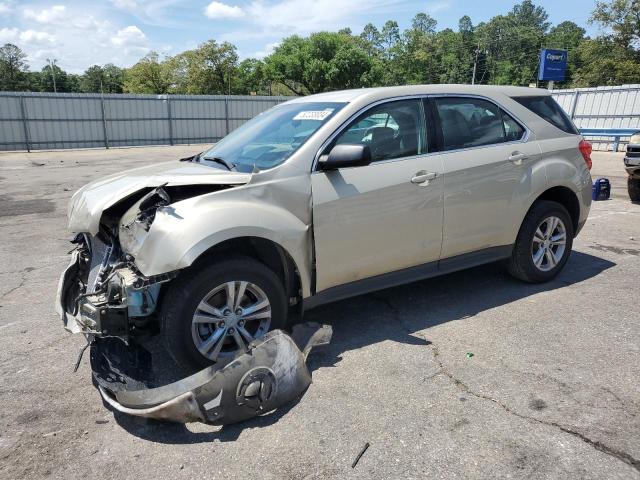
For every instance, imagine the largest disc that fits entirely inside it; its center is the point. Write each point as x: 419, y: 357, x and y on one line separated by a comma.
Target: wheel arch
x: 264, y: 250
x: 565, y: 197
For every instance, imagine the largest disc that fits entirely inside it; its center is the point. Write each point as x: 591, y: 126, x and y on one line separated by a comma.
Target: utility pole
x: 475, y: 66
x: 53, y: 73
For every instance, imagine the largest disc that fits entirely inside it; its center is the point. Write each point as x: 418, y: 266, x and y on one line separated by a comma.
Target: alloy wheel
x: 549, y: 243
x: 228, y: 318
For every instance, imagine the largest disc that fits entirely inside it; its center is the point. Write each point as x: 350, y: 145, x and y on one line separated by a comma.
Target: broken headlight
x: 136, y: 222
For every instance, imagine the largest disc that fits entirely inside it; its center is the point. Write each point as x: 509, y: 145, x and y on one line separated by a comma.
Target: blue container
x: 601, y: 189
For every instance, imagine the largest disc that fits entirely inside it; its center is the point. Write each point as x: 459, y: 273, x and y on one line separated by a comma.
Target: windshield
x: 270, y: 138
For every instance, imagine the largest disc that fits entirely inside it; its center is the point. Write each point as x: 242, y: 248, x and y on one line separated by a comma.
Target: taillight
x: 585, y: 149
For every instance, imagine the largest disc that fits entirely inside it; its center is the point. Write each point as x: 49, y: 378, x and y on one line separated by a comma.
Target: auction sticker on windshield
x: 314, y: 114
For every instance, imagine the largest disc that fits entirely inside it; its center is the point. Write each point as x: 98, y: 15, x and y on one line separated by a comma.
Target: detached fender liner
x: 271, y: 373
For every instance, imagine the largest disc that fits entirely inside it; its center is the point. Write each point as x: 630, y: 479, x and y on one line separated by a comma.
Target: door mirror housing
x: 346, y: 155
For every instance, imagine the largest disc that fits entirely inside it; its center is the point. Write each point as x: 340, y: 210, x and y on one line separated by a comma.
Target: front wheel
x: 543, y: 244
x: 210, y: 314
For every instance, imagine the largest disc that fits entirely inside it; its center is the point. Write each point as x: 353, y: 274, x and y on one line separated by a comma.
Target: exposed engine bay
x: 102, y: 293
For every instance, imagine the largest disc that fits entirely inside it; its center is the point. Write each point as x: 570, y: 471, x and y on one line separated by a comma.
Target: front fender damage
x: 271, y: 373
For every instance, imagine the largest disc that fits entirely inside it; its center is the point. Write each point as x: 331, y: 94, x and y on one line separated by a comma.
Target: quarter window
x: 513, y: 130
x: 391, y: 130
x: 473, y: 122
x: 546, y: 107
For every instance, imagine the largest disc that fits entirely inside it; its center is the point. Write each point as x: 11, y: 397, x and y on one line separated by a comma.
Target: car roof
x: 388, y: 92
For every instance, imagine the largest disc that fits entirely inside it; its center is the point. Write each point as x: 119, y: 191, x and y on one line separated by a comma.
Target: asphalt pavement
x: 470, y: 375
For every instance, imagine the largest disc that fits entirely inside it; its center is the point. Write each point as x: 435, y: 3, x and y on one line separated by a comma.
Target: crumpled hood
x: 88, y: 203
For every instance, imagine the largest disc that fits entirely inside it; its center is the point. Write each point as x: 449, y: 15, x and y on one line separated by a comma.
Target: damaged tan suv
x: 322, y: 198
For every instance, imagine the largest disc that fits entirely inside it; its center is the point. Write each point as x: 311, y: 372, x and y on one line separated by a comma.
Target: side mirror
x: 346, y: 155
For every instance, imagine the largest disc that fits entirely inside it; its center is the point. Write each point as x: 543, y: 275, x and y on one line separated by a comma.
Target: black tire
x: 185, y: 293
x: 633, y: 187
x: 521, y: 264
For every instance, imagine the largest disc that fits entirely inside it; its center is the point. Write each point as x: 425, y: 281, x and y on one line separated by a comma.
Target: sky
x: 80, y: 33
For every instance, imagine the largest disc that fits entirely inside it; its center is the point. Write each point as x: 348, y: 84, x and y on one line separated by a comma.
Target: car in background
x: 632, y: 165
x: 323, y: 198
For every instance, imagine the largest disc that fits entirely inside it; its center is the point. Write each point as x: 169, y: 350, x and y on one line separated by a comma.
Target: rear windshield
x: 547, y: 108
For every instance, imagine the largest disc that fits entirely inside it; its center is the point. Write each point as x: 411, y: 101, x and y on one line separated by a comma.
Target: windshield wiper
x: 230, y: 166
x: 192, y: 158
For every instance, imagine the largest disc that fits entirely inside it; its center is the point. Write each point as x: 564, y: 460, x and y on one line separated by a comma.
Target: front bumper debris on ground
x: 271, y: 373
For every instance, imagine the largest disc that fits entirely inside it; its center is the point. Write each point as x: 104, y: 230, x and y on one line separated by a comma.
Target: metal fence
x: 42, y: 121
x: 602, y: 107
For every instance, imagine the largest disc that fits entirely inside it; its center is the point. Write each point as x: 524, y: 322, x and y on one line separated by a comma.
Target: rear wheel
x: 544, y: 243
x: 210, y: 314
x: 633, y: 187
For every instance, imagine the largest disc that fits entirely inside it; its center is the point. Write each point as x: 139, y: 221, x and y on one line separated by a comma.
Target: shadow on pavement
x: 392, y: 314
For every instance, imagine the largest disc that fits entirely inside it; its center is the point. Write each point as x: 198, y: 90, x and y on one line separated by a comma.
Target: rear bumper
x: 584, y: 199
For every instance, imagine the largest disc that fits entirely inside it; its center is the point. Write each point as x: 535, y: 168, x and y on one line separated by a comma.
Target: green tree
x: 13, y: 68
x: 321, y: 62
x: 209, y: 69
x: 512, y: 44
x: 113, y: 78
x: 91, y: 80
x: 251, y: 77
x: 149, y: 75
x: 372, y: 39
x: 529, y: 15
x: 413, y: 60
x: 390, y: 38
x: 454, y: 57
x: 623, y: 18
x: 106, y: 79
x: 603, y: 61
x: 424, y: 23
x: 465, y: 25
x: 64, y: 82
x: 567, y: 35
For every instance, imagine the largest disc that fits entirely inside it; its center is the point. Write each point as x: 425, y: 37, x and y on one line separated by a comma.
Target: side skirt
x: 408, y: 275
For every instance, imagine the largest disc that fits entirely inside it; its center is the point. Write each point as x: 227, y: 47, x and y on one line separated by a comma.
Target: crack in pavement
x: 398, y: 318
x: 618, y: 454
x: 35, y: 269
x: 24, y: 277
x: 22, y: 283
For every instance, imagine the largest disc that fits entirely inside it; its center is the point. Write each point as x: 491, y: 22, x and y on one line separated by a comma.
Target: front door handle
x: 423, y: 176
x: 517, y: 157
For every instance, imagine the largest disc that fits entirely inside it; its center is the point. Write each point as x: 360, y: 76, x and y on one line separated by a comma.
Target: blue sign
x: 553, y: 65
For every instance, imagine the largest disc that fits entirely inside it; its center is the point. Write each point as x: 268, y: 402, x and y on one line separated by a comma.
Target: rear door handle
x: 422, y: 176
x: 517, y: 157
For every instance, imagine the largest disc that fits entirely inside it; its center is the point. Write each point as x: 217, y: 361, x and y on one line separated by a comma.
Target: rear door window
x: 546, y: 107
x: 473, y: 122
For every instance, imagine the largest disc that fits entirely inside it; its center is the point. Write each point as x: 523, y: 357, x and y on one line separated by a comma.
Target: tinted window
x: 473, y: 122
x: 392, y: 130
x: 546, y: 107
x: 512, y: 130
